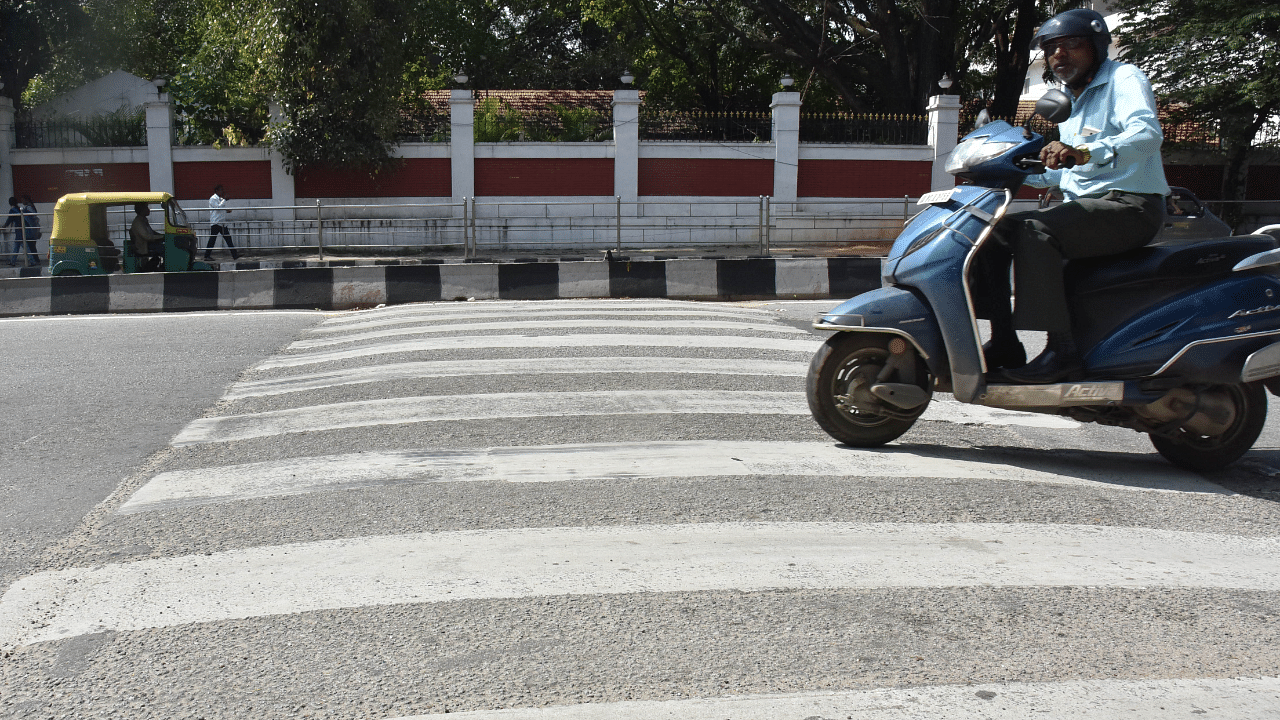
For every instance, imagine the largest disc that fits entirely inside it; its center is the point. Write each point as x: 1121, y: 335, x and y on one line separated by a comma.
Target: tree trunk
x: 1013, y: 57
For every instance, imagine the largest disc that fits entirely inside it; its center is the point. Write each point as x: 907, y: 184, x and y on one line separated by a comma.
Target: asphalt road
x: 89, y: 400
x: 594, y: 509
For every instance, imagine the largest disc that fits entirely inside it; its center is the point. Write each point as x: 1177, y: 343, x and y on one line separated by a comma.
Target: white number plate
x: 936, y: 197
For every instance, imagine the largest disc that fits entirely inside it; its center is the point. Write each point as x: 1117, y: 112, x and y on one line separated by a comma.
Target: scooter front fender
x: 893, y: 311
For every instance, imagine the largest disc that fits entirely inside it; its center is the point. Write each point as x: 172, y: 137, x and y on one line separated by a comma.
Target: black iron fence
x: 1035, y: 123
x: 498, y: 121
x: 864, y: 129
x: 698, y: 126
x: 424, y: 126
x: 126, y: 128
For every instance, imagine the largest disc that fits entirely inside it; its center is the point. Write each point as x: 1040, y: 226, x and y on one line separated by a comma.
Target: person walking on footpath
x: 30, y: 232
x: 15, y: 221
x: 217, y: 218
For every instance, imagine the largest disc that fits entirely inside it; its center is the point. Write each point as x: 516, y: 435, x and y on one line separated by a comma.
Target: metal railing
x: 698, y: 126
x: 848, y: 128
x: 479, y: 227
x: 124, y: 129
x: 474, y: 228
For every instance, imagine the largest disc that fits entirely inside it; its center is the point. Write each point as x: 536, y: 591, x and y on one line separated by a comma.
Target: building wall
x: 543, y: 177
x: 863, y: 178
x: 47, y: 183
x: 409, y: 177
x: 242, y: 178
x: 713, y: 177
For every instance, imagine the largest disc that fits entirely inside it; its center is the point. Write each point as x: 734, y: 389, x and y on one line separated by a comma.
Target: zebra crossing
x: 588, y: 509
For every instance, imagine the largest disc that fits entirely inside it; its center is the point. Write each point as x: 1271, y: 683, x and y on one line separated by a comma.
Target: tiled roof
x: 530, y: 100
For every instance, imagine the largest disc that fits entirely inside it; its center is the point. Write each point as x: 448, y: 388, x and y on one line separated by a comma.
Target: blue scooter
x: 1179, y: 340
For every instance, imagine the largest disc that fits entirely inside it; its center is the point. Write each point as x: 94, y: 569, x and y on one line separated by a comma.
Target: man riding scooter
x: 1108, y: 166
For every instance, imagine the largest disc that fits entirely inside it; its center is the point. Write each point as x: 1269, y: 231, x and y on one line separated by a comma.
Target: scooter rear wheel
x: 842, y: 371
x: 1205, y: 453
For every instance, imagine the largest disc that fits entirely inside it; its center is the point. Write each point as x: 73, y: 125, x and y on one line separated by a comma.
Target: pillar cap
x: 785, y: 98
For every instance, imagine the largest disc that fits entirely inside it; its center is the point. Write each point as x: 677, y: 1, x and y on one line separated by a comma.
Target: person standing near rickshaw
x: 217, y: 218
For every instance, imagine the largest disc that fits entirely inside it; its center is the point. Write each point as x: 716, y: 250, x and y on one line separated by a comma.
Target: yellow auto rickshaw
x: 82, y: 244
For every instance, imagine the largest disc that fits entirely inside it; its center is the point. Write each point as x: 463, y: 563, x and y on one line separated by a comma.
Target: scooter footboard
x: 894, y: 311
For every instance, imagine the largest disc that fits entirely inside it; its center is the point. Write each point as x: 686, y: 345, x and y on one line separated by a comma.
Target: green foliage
x: 496, y: 121
x: 687, y: 56
x: 335, y: 67
x: 1219, y: 59
x: 581, y: 124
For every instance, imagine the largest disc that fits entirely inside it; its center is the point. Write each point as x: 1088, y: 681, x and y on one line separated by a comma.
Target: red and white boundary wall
x: 817, y: 193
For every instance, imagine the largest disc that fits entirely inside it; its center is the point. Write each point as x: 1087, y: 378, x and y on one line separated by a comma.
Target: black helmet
x: 1077, y: 23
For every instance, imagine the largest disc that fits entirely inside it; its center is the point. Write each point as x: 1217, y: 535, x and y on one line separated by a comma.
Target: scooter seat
x: 1174, y: 262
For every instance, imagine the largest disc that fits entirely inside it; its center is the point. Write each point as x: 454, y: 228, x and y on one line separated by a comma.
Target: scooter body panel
x: 1203, y: 335
x: 934, y: 260
x: 895, y: 311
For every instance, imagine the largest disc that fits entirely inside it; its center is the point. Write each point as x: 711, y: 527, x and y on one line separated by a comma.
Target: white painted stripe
x: 467, y: 565
x: 534, y: 312
x: 1221, y: 699
x: 625, y: 462
x: 522, y: 307
x: 947, y: 409
x: 807, y: 346
x: 153, y: 318
x: 495, y: 406
x: 537, y: 325
x: 515, y: 366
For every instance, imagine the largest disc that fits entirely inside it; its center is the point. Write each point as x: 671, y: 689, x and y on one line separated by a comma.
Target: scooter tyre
x: 1209, y: 453
x: 842, y: 359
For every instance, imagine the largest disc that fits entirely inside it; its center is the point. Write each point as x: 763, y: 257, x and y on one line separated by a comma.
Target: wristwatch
x: 1087, y: 155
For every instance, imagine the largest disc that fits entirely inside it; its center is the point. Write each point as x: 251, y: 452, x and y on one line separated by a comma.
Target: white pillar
x: 786, y: 143
x: 283, y: 193
x: 7, y: 141
x: 160, y: 143
x: 626, y: 145
x: 462, y: 143
x: 944, y: 127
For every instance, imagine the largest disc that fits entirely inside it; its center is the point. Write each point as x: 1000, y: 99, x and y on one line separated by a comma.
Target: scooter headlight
x: 975, y: 152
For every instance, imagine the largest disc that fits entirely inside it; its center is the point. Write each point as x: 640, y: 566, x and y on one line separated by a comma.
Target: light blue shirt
x: 1115, y: 118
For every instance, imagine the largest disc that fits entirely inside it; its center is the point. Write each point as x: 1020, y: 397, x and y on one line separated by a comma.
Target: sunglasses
x: 1067, y: 43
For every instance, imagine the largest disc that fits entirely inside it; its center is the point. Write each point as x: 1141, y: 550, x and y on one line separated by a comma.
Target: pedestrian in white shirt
x: 217, y: 218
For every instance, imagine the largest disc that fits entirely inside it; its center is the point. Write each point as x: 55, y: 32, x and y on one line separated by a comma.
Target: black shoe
x: 1055, y: 364
x: 1004, y: 354
x: 208, y: 258
x: 235, y: 257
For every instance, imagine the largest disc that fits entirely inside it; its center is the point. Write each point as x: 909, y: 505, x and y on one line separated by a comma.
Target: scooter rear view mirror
x: 1054, y: 106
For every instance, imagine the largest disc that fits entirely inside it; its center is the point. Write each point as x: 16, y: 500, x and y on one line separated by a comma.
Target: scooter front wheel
x: 1206, y: 452
x: 839, y: 390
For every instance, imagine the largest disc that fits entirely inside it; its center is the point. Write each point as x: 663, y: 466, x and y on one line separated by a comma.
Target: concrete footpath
x: 349, y: 283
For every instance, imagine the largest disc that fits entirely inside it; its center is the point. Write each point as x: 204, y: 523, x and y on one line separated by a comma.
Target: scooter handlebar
x: 1031, y: 164
x: 1035, y: 167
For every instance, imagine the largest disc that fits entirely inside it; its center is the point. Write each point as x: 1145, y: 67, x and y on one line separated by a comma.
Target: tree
x: 685, y: 55
x: 1218, y: 59
x: 994, y: 48
x: 880, y: 55
x: 30, y: 35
